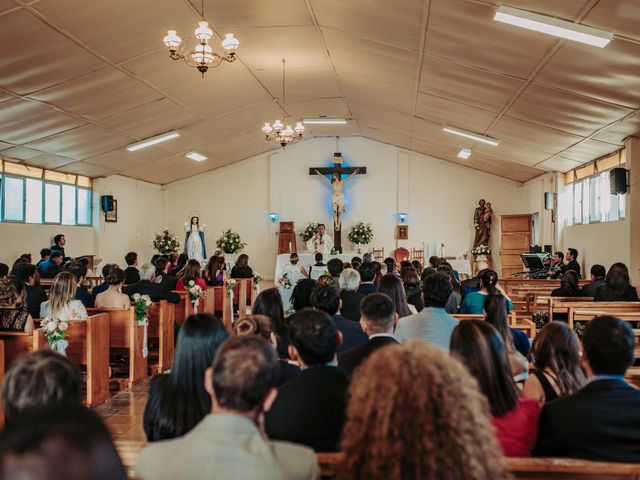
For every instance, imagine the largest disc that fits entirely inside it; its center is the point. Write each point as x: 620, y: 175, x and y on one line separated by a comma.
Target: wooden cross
x: 337, y: 200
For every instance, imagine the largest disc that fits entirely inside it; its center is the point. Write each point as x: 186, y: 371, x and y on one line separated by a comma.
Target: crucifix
x: 337, y: 195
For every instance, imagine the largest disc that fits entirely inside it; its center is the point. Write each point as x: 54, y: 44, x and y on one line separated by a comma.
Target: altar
x: 307, y: 259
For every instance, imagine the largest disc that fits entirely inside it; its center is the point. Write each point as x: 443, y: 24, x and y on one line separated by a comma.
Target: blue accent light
x: 274, y: 216
x: 402, y: 217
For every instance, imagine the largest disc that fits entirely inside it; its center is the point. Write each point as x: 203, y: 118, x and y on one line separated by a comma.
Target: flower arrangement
x: 229, y: 242
x: 310, y: 230
x: 195, y: 292
x: 284, y: 281
x: 481, y: 250
x: 230, y: 283
x: 55, y: 331
x: 166, y: 242
x: 257, y: 278
x: 361, y: 234
x: 142, y: 304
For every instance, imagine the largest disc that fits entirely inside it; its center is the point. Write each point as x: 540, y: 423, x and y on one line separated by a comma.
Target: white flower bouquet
x: 285, y: 282
x: 230, y: 242
x: 310, y: 230
x: 230, y: 283
x: 257, y: 278
x: 481, y: 250
x: 55, y: 331
x: 195, y: 291
x: 166, y: 242
x: 361, y: 234
x: 142, y: 304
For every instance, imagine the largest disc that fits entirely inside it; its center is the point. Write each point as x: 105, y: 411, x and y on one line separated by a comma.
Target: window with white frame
x: 26, y: 199
x: 590, y: 201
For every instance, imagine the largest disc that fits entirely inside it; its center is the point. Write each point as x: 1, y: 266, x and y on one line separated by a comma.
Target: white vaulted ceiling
x: 81, y: 79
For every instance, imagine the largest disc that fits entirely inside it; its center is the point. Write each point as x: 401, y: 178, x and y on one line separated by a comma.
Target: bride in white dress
x: 194, y: 245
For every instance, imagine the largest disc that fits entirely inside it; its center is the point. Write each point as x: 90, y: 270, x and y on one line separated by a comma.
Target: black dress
x: 549, y: 393
x: 13, y: 319
x: 606, y: 294
x: 241, y: 272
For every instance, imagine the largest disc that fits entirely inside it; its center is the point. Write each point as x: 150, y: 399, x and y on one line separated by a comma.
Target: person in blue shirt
x: 473, y: 302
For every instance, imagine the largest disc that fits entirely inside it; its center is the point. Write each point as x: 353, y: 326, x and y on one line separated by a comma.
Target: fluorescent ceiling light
x: 464, y: 153
x: 325, y: 121
x: 473, y: 136
x: 553, y: 26
x: 195, y: 156
x: 152, y: 141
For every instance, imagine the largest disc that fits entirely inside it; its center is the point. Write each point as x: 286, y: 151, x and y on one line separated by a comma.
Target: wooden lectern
x: 287, y: 238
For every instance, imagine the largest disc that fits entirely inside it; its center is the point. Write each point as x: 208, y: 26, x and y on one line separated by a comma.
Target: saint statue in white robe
x: 194, y: 245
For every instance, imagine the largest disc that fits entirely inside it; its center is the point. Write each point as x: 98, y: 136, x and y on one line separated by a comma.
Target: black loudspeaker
x: 618, y: 179
x: 107, y: 203
x: 549, y: 198
x: 548, y: 249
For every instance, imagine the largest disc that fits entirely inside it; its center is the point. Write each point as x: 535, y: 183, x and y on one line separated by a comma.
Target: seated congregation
x: 406, y: 372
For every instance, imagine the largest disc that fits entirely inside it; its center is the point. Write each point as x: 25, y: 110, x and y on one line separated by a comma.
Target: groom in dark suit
x: 377, y: 320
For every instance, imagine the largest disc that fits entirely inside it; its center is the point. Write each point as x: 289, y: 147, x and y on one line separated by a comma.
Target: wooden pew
x: 125, y: 333
x: 528, y: 468
x: 19, y: 343
x: 611, y: 308
x: 527, y: 326
x: 185, y: 308
x: 89, y: 347
x: 556, y: 304
x: 161, y: 328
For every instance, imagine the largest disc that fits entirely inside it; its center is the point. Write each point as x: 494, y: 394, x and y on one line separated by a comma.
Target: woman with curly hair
x: 14, y: 315
x: 557, y: 358
x: 416, y: 413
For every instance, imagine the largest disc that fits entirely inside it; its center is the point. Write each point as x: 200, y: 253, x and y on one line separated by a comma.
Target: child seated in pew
x: 191, y: 273
x: 242, y: 268
x: 62, y: 302
x: 14, y: 315
x: 38, y: 380
x: 113, y: 296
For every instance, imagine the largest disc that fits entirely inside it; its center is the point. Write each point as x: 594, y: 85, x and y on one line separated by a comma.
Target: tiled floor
x: 123, y: 416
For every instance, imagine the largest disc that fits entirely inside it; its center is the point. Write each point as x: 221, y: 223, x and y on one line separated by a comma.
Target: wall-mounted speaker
x: 618, y: 180
x: 106, y: 202
x: 549, y: 200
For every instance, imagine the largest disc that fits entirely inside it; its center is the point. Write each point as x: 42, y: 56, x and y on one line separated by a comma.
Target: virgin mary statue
x: 194, y: 245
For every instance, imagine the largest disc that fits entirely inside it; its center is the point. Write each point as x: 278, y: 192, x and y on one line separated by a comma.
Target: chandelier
x: 277, y: 131
x: 202, y: 56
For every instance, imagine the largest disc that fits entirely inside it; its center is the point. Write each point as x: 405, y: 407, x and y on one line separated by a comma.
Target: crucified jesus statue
x: 337, y: 196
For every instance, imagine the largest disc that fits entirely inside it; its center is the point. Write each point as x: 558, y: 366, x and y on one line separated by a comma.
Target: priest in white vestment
x: 321, y: 242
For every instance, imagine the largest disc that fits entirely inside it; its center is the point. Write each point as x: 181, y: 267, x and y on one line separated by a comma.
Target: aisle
x: 123, y: 416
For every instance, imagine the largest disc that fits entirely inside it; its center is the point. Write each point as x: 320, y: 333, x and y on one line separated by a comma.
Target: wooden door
x: 516, y: 231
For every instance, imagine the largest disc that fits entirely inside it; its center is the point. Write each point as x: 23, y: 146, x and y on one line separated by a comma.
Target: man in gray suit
x: 230, y: 443
x: 432, y: 324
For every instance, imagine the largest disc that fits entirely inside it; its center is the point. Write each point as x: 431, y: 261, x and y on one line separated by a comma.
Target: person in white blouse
x: 62, y: 303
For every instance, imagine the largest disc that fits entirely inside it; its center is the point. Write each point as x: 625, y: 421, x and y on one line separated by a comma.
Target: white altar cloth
x: 306, y: 260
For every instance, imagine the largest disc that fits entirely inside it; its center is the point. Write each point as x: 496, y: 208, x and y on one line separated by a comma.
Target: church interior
x: 465, y: 136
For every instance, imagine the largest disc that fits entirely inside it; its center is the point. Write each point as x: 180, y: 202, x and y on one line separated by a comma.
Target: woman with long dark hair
x: 391, y: 285
x: 178, y: 400
x: 412, y: 287
x: 473, y: 302
x: 558, y: 364
x: 242, y: 269
x: 269, y: 303
x: 617, y: 286
x: 182, y: 261
x: 214, y: 273
x: 569, y: 286
x: 480, y: 347
x: 191, y: 274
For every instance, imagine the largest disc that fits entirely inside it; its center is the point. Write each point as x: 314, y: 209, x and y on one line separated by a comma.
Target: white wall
x: 140, y: 212
x: 438, y: 196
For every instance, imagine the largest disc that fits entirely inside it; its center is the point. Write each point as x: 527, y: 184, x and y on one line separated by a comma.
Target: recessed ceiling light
x: 553, y: 26
x: 152, y: 141
x: 464, y: 153
x: 325, y: 121
x: 195, y: 156
x: 473, y: 136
